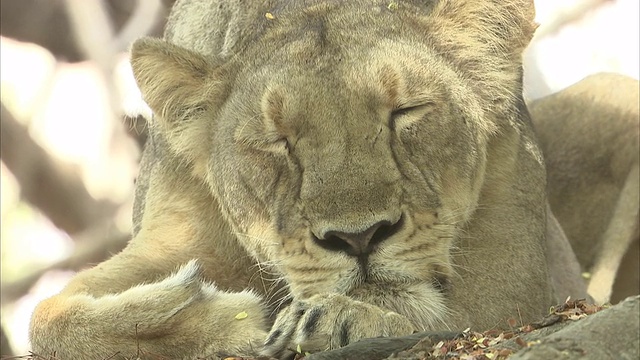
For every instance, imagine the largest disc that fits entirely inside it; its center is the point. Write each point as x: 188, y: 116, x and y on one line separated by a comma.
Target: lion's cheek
x: 261, y: 241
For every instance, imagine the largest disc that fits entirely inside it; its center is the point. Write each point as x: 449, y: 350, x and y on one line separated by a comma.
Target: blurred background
x: 72, y: 125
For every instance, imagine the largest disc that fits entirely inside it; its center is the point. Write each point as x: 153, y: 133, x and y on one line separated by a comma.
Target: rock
x: 613, y: 333
x: 381, y: 348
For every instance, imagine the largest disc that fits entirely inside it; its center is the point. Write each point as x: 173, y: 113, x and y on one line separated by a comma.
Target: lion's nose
x: 362, y: 243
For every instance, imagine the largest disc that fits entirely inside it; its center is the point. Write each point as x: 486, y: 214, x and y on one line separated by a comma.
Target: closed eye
x: 269, y: 142
x: 403, y: 117
x: 405, y: 110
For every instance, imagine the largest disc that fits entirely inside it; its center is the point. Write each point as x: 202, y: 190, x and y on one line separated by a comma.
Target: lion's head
x: 347, y: 144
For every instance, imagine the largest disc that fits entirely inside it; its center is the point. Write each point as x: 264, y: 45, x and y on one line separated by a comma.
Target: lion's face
x: 346, y: 169
x: 351, y: 176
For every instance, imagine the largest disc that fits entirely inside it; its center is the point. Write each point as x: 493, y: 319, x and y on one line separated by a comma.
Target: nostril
x: 333, y: 242
x: 385, y: 231
x: 359, y: 243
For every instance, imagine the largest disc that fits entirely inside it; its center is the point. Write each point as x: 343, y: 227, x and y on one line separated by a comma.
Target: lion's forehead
x: 358, y: 81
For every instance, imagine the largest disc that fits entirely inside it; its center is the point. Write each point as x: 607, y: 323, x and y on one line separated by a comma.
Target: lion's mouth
x: 377, y: 289
x: 378, y: 282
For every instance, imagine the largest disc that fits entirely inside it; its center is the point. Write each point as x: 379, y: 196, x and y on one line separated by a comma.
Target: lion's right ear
x: 174, y: 81
x: 182, y: 88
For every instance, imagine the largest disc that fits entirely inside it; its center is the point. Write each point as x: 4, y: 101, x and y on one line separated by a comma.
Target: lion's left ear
x: 484, y: 40
x: 517, y: 23
x: 183, y: 89
x: 504, y: 25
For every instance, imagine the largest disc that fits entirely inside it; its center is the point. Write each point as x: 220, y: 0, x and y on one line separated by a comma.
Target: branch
x: 47, y: 183
x: 92, y: 246
x: 146, y: 16
x: 5, y: 348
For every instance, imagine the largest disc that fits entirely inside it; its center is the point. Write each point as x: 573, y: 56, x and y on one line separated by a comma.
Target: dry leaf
x: 241, y: 315
x: 520, y: 342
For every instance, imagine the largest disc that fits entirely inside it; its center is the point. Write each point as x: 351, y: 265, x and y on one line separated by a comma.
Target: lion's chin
x: 423, y: 304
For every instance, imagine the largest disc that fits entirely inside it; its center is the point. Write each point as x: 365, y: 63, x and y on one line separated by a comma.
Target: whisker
x: 278, y: 304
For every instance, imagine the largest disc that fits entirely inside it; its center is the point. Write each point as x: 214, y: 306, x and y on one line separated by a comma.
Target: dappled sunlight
x: 75, y: 124
x: 69, y: 119
x: 40, y: 242
x: 130, y: 96
x: 68, y: 112
x: 26, y: 71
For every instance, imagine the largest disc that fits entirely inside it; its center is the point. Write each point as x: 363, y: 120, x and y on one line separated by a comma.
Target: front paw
x: 330, y: 321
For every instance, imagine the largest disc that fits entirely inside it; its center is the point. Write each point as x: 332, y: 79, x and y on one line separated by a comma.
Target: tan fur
x: 373, y: 166
x: 589, y: 133
x: 566, y: 272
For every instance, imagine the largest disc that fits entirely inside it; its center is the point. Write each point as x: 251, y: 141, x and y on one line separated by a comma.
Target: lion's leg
x: 180, y: 316
x: 563, y: 264
x: 628, y: 279
x: 616, y: 240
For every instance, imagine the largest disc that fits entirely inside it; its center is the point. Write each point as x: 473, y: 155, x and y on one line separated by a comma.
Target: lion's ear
x: 182, y: 88
x: 485, y: 39
x: 505, y: 25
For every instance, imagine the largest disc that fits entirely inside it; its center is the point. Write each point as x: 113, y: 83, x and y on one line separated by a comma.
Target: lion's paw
x: 229, y: 322
x: 330, y: 321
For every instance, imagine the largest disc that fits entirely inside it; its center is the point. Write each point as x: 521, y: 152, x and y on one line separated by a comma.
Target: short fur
x: 590, y: 134
x: 371, y: 162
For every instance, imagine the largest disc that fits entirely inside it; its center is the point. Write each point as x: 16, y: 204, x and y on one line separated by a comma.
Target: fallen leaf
x: 520, y: 342
x: 241, y: 315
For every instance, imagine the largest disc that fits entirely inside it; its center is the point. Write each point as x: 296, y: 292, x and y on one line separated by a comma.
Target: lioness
x: 318, y: 172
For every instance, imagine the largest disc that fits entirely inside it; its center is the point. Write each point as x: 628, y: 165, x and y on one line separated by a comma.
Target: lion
x: 589, y: 133
x: 319, y: 172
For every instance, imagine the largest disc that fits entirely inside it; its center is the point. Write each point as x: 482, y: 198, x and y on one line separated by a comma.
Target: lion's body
x: 372, y: 162
x: 589, y: 134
